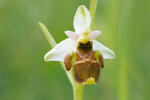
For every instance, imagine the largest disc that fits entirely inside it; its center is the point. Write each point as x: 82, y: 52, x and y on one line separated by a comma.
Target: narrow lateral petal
x: 94, y: 34
x: 82, y: 19
x: 72, y: 35
x: 106, y: 52
x: 59, y: 52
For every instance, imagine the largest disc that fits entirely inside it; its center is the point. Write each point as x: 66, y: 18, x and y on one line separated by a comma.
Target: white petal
x: 61, y: 50
x: 94, y: 34
x: 82, y: 19
x: 72, y: 35
x: 107, y: 53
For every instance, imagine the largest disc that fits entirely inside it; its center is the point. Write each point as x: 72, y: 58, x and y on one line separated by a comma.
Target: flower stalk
x: 78, y: 92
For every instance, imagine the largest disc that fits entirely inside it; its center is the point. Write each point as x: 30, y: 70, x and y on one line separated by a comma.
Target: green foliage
x: 25, y: 76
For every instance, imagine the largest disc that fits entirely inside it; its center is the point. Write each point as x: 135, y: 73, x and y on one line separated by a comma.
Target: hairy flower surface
x: 80, y: 51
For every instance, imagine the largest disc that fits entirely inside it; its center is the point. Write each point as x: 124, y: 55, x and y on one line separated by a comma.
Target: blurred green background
x: 25, y: 76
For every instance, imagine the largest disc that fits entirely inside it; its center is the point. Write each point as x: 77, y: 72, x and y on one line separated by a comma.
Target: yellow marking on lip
x: 91, y: 81
x: 84, y: 61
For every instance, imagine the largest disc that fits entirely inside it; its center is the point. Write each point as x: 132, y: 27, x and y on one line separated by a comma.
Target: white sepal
x: 82, y: 19
x: 59, y: 52
x: 106, y: 52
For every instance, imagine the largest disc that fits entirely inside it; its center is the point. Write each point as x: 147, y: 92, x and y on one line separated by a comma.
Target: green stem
x: 78, y: 92
x: 93, y: 10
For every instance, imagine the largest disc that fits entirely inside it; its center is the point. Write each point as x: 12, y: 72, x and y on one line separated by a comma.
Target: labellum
x: 86, y: 63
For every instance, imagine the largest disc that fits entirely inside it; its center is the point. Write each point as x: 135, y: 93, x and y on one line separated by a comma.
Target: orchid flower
x: 82, y: 21
x: 83, y: 33
x: 80, y: 53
